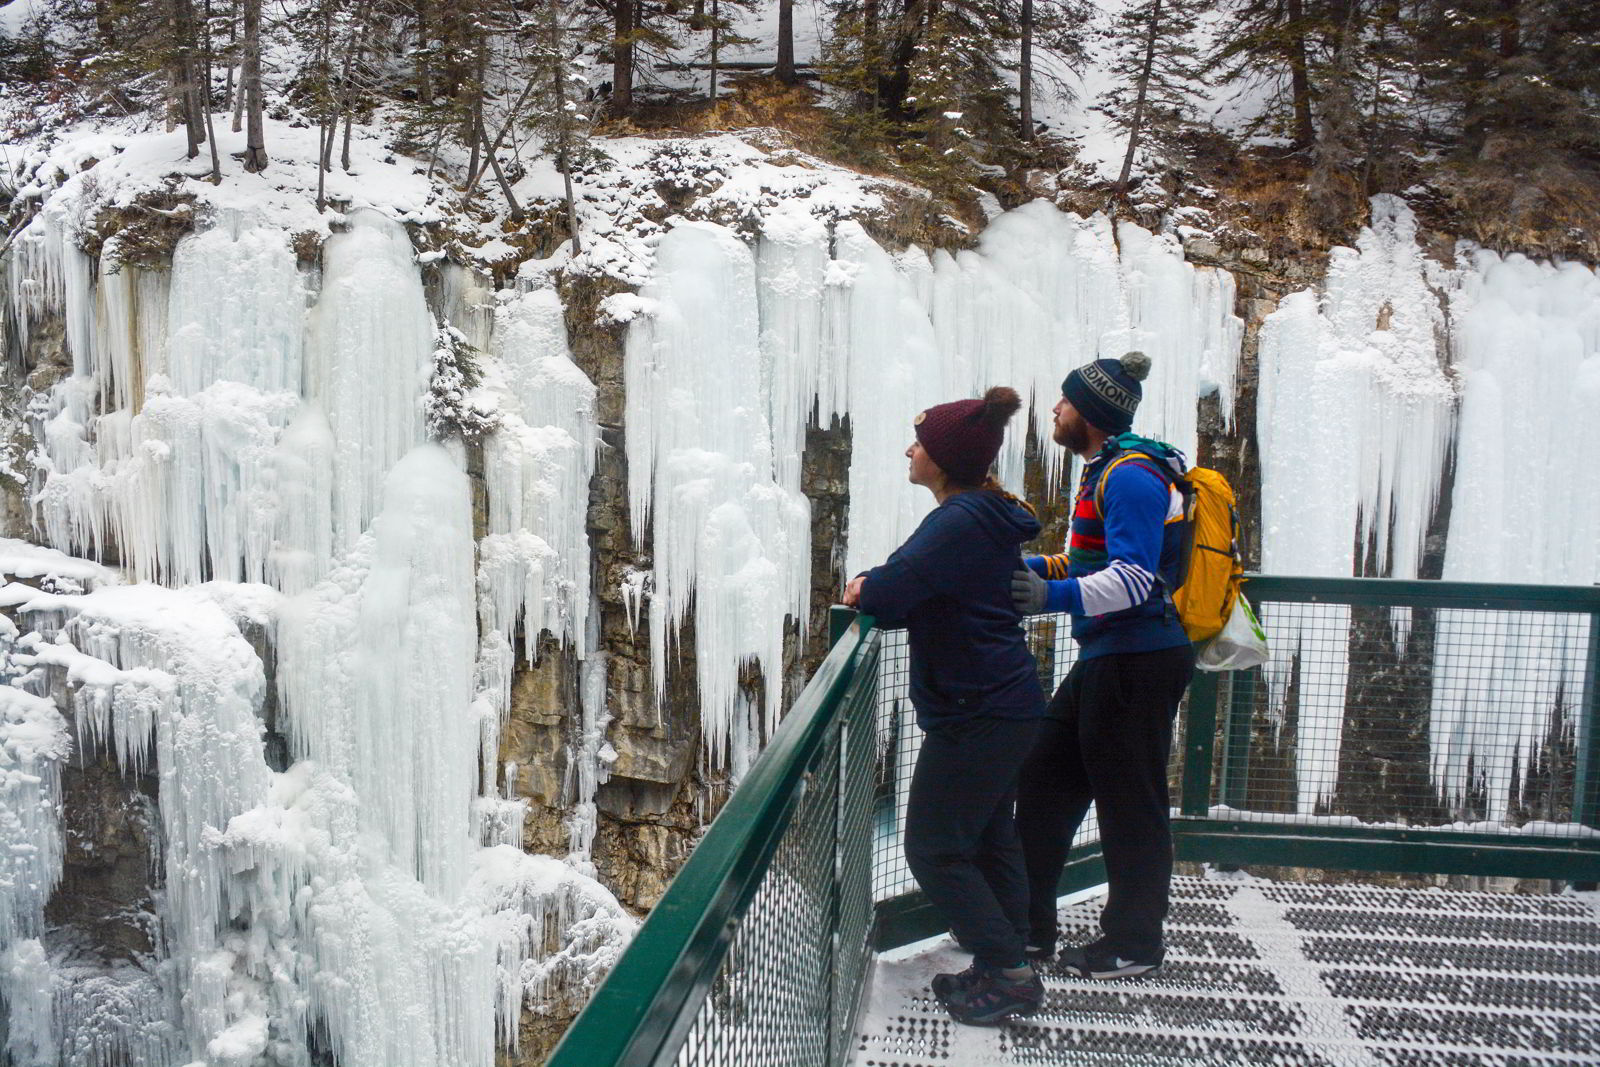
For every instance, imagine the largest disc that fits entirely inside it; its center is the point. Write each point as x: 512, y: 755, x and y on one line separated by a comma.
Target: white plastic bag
x: 1242, y: 644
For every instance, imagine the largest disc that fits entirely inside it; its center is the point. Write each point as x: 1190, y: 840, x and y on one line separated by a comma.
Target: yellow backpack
x: 1211, y: 566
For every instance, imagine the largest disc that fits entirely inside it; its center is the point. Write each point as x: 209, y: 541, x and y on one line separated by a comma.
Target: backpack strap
x: 1172, y: 480
x: 1161, y: 468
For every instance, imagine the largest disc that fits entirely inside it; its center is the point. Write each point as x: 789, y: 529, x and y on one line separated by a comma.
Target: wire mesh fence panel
x: 858, y: 753
x: 900, y: 740
x: 786, y: 991
x: 1410, y: 716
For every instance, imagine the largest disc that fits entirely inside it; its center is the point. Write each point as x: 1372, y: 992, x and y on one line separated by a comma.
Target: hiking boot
x: 991, y: 998
x: 945, y: 984
x: 1097, y: 960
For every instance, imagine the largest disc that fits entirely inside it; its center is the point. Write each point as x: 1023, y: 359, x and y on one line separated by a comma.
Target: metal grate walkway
x: 1288, y: 974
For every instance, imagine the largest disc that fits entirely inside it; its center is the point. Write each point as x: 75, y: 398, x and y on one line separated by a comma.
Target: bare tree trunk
x: 716, y: 46
x: 1025, y: 72
x: 363, y: 14
x: 204, y: 96
x: 785, y: 69
x: 424, y: 69
x: 1136, y: 125
x: 622, y: 59
x: 572, y: 207
x: 475, y: 164
x: 475, y: 172
x: 184, y: 80
x: 329, y: 116
x: 255, y: 142
x: 1305, y: 132
x: 231, y: 89
x: 499, y: 175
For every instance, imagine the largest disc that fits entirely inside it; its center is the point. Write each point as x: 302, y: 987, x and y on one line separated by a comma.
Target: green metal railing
x: 758, y: 952
x: 1430, y: 727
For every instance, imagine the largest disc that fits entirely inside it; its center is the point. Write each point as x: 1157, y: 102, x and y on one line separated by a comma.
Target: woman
x: 977, y: 695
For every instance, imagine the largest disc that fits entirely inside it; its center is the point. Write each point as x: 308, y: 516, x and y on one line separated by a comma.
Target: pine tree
x: 1263, y: 39
x: 1054, y: 27
x: 928, y: 75
x: 255, y: 152
x: 560, y: 116
x: 1519, y: 77
x: 1157, y: 67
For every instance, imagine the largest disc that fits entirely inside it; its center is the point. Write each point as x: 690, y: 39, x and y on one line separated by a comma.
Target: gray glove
x: 1028, y: 591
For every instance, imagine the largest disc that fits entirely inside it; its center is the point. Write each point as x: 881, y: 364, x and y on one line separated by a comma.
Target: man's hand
x: 852, y: 592
x: 1028, y: 591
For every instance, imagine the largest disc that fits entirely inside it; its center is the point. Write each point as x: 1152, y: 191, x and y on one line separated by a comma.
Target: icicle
x: 592, y: 754
x: 33, y: 744
x: 1527, y: 343
x: 49, y: 274
x: 890, y: 353
x: 131, y: 335
x: 1353, y: 419
x: 256, y: 341
x: 535, y: 561
x: 370, y: 352
x: 727, y: 537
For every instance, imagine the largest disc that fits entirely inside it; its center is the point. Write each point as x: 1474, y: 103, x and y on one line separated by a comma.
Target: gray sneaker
x: 1096, y: 960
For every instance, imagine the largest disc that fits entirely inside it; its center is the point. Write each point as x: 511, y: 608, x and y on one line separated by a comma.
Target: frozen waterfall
x: 730, y: 350
x: 1528, y: 349
x: 247, y: 437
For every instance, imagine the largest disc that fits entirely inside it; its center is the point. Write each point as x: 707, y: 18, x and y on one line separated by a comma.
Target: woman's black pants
x: 1106, y: 738
x: 961, y: 839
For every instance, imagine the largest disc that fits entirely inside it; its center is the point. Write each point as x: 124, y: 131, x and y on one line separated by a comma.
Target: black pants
x: 1106, y: 738
x: 961, y: 838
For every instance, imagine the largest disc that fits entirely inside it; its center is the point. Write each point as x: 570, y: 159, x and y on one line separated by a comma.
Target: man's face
x: 1071, y: 428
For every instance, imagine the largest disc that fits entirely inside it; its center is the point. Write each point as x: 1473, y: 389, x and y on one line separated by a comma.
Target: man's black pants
x: 961, y: 837
x: 1106, y: 738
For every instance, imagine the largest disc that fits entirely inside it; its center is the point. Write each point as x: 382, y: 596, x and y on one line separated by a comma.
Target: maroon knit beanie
x: 964, y: 436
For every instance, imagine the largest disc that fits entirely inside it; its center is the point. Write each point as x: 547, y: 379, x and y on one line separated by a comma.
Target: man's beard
x: 1074, y: 437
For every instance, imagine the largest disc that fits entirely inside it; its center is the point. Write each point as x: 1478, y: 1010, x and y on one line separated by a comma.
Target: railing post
x: 839, y: 620
x: 1235, y: 785
x: 1199, y: 744
x: 1586, y: 794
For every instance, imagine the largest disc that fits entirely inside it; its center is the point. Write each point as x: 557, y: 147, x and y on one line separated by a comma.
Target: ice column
x: 1353, y: 420
x: 33, y: 744
x: 165, y: 678
x: 538, y: 464
x: 369, y: 359
x: 893, y: 371
x: 727, y: 536
x: 1527, y: 341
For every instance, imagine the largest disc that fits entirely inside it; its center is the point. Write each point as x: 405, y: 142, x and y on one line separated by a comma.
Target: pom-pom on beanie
x: 1107, y: 391
x: 963, y: 437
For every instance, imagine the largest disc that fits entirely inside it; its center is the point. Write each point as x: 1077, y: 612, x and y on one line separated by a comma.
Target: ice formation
x: 346, y: 902
x: 727, y: 537
x: 728, y: 364
x: 1527, y: 339
x: 1354, y: 414
x: 538, y: 464
x: 369, y: 354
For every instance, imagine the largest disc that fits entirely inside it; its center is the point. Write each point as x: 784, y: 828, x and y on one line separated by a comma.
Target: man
x: 1108, y: 730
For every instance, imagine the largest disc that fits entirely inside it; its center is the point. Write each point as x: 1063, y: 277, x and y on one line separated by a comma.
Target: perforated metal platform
x: 1261, y: 972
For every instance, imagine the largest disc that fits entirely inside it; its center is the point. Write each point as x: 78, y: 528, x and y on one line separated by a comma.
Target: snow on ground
x: 1265, y: 972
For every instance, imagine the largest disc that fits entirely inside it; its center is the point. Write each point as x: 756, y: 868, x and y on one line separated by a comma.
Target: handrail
x: 648, y: 1007
x: 1424, y: 592
x: 650, y: 998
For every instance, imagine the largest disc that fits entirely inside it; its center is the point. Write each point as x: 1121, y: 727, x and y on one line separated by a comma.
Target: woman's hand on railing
x: 852, y: 592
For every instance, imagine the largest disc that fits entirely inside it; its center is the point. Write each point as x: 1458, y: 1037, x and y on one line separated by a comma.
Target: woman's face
x: 924, y: 471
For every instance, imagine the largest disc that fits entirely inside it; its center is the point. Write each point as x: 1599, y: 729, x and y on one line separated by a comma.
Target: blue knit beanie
x: 1107, y: 391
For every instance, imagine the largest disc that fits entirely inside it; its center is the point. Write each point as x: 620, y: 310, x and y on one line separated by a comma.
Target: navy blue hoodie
x: 950, y: 586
